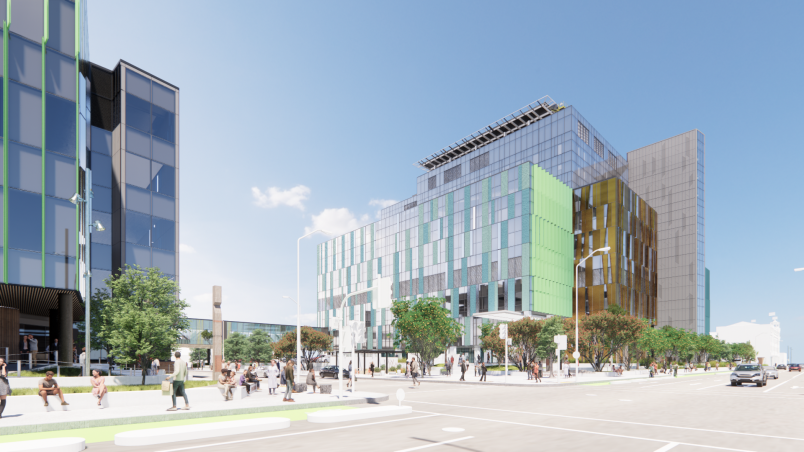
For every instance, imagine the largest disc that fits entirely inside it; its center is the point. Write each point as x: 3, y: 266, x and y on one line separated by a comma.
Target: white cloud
x: 382, y: 204
x: 337, y: 221
x: 185, y: 248
x: 204, y: 297
x: 273, y: 197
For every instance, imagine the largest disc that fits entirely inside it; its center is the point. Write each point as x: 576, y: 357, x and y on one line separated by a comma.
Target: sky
x: 304, y: 115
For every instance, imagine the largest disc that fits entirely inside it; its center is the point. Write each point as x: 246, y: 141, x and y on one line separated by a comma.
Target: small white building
x: 765, y: 337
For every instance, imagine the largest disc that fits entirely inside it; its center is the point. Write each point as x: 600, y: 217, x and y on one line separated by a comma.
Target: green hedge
x: 121, y: 388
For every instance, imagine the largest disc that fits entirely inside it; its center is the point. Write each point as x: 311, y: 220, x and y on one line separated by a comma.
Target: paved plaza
x: 694, y: 412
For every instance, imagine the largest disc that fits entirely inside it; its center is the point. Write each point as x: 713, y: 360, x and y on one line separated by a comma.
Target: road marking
x: 436, y: 444
x: 776, y: 386
x: 624, y: 400
x: 707, y: 387
x: 452, y: 429
x: 610, y: 420
x: 667, y: 447
x: 297, y: 433
x: 589, y: 432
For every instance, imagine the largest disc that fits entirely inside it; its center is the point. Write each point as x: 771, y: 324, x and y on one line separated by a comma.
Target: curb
x: 180, y: 416
x: 550, y: 385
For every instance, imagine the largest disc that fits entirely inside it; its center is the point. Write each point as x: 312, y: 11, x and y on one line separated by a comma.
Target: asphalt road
x: 692, y: 413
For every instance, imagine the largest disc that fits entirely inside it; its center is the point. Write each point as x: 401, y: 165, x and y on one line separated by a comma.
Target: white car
x: 771, y: 372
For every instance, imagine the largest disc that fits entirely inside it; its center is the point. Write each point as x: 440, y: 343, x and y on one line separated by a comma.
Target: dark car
x: 781, y: 367
x: 793, y: 367
x: 332, y: 371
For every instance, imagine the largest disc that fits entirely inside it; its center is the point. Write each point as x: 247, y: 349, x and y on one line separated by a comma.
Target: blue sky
x: 296, y: 114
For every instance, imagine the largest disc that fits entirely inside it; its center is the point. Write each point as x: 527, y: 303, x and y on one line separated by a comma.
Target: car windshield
x: 748, y: 367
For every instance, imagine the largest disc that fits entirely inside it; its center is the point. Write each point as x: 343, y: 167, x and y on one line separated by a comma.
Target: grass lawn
x: 65, y: 372
x: 120, y: 388
x: 102, y: 434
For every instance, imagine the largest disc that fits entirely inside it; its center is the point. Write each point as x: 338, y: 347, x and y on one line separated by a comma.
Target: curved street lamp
x: 576, y: 354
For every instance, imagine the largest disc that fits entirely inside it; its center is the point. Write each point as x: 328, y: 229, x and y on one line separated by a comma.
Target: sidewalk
x: 521, y: 379
x: 204, y: 402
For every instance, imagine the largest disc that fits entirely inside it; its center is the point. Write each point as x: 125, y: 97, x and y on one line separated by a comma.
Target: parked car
x: 781, y: 367
x: 332, y: 371
x: 793, y: 367
x: 749, y: 373
x: 771, y: 372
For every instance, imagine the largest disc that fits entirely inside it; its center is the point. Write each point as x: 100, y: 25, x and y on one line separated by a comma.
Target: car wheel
x: 734, y: 383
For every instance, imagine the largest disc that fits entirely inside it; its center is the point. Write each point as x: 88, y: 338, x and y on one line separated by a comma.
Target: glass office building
x: 192, y: 336
x: 489, y: 228
x: 79, y: 143
x: 669, y: 175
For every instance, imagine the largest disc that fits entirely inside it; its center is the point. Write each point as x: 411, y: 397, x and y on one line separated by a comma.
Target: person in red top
x: 536, y: 372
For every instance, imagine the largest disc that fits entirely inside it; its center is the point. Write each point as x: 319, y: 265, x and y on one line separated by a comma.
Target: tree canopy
x: 314, y: 344
x: 145, y: 316
x: 424, y: 327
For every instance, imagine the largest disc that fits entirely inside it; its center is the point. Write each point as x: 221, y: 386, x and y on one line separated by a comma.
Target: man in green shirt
x: 289, y: 382
x: 180, y: 376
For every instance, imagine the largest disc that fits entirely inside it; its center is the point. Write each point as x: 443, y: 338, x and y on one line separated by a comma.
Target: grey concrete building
x: 669, y: 175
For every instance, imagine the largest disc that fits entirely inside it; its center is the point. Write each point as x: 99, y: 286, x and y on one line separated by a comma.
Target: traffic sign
x: 503, y: 330
x: 561, y: 340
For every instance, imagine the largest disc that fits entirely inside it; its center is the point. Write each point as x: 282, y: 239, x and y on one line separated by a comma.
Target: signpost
x: 504, y: 336
x: 561, y: 345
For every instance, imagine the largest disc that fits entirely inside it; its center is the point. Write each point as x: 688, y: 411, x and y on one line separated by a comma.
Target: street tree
x: 708, y: 346
x: 199, y: 355
x: 235, y: 347
x: 545, y: 339
x: 206, y: 335
x: 314, y: 344
x: 146, y: 316
x: 524, y: 334
x: 601, y: 335
x: 424, y: 327
x: 260, y: 347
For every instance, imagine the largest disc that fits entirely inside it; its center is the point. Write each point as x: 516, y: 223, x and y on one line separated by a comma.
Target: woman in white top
x: 272, y: 373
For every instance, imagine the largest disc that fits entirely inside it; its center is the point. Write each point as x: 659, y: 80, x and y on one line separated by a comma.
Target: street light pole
x: 577, y: 354
x: 88, y: 225
x: 298, y: 299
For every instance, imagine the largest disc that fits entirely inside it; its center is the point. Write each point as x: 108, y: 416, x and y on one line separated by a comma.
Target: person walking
x: 49, y: 386
x: 349, y: 381
x: 155, y: 366
x: 463, y: 370
x: 482, y: 371
x: 675, y: 370
x: 407, y: 368
x: 272, y: 372
x: 451, y: 364
x: 82, y: 358
x: 75, y: 354
x: 371, y: 369
x: 179, y: 376
x: 289, y: 382
x: 98, y: 385
x: 536, y: 375
x: 33, y: 345
x: 414, y: 371
x: 5, y: 389
x: 55, y: 349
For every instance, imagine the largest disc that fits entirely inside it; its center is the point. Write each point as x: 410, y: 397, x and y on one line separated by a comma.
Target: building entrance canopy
x: 500, y: 316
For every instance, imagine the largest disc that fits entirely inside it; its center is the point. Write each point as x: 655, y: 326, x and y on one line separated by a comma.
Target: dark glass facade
x: 65, y: 124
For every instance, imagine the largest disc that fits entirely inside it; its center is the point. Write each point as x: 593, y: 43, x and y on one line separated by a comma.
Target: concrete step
x: 199, y: 431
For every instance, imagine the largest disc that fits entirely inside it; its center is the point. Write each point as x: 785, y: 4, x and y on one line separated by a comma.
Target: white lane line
x: 590, y: 432
x: 436, y: 444
x: 610, y: 420
x: 713, y: 386
x: 297, y: 433
x: 667, y: 447
x: 786, y: 381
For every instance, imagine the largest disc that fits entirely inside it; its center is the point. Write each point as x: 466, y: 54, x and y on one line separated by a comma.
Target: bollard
x: 30, y: 361
x: 19, y: 367
x: 7, y: 356
x: 58, y: 368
